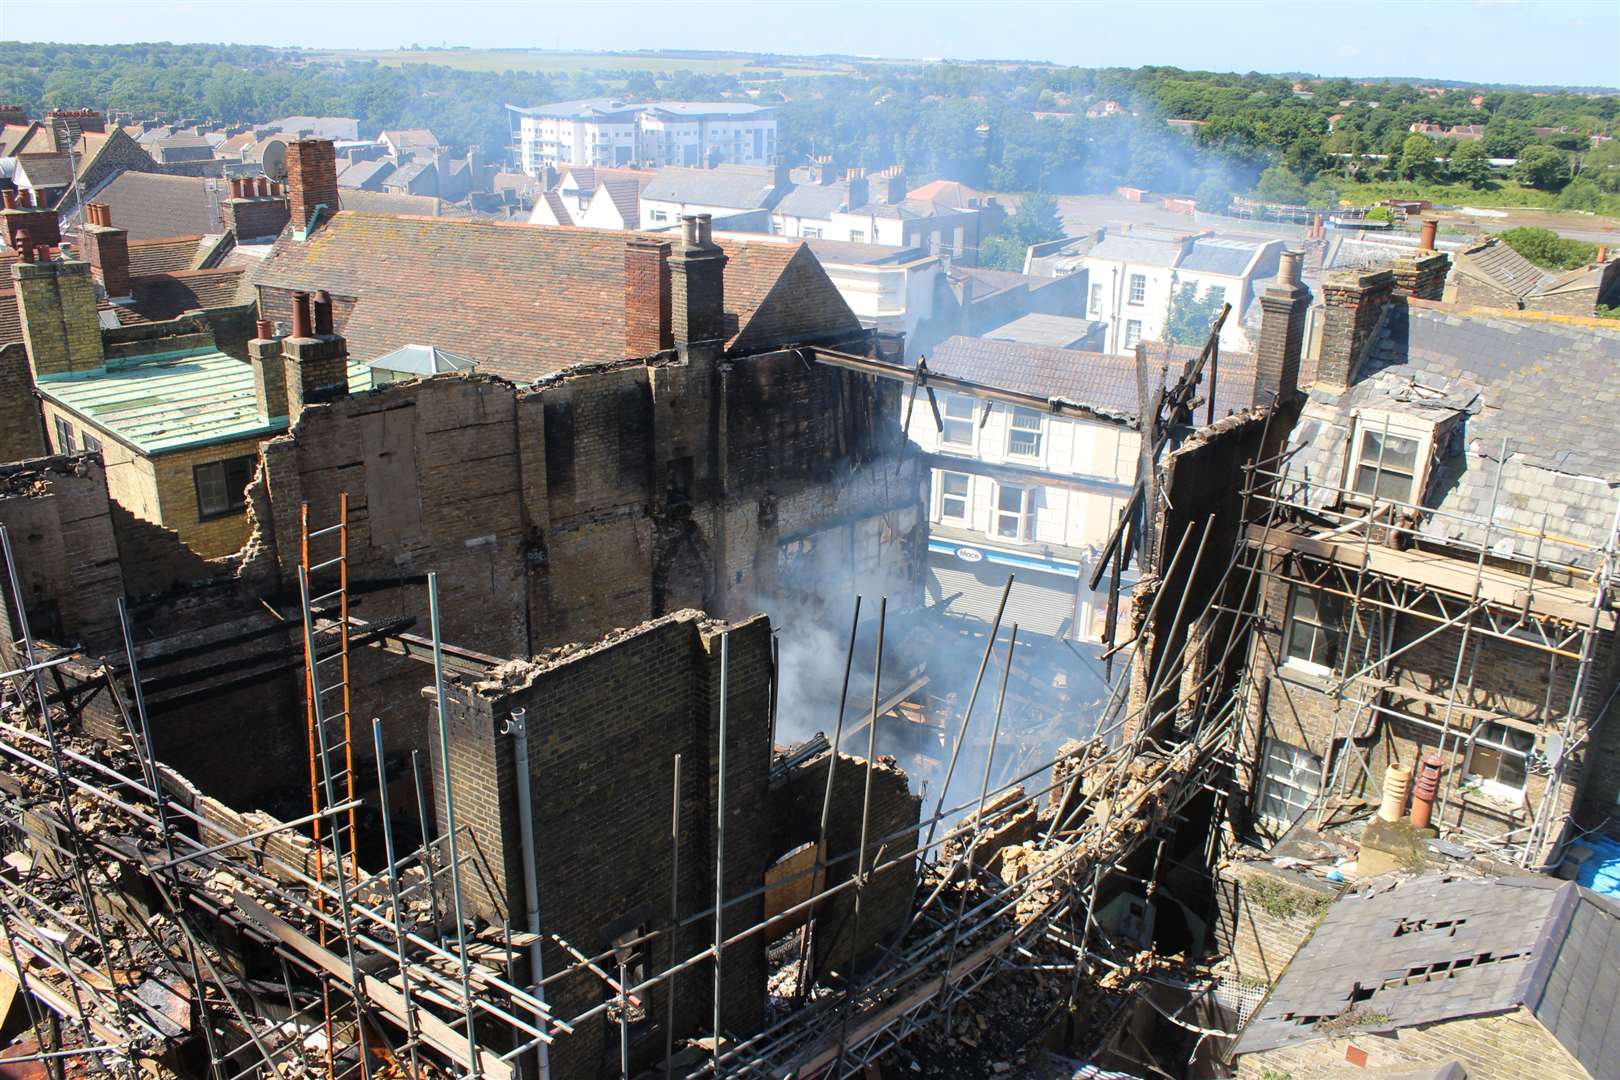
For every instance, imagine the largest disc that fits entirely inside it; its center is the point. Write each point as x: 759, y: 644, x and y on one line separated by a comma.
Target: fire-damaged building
x: 478, y: 757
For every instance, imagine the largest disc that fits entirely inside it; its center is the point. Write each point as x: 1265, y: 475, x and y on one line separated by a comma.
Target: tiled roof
x: 1503, y: 267
x: 154, y: 135
x: 168, y: 296
x: 148, y: 257
x: 522, y: 301
x: 235, y: 144
x: 387, y: 202
x: 957, y: 196
x: 10, y: 318
x: 554, y: 204
x: 1551, y: 391
x: 406, y: 174
x: 1432, y: 949
x: 13, y: 136
x: 411, y: 138
x: 1104, y: 382
x: 151, y: 206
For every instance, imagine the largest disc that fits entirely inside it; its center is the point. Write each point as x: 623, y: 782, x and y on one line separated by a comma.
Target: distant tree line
x: 972, y: 122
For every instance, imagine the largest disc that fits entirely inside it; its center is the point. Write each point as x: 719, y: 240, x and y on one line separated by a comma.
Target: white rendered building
x: 607, y: 131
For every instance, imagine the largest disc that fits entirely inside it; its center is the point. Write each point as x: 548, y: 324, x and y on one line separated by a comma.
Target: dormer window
x: 1389, y: 458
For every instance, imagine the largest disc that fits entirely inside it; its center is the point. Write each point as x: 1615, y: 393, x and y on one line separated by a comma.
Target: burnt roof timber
x: 885, y: 369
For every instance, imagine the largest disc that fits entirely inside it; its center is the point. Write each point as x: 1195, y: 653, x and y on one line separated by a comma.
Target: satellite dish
x: 275, y: 159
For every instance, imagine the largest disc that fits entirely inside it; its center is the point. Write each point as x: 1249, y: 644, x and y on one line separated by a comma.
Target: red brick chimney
x: 312, y: 187
x: 254, y: 211
x: 107, y: 249
x: 20, y: 214
x: 647, y: 321
x: 315, y: 359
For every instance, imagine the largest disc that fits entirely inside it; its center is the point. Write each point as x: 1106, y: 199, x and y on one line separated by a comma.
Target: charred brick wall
x: 22, y: 435
x: 604, y: 726
x: 795, y: 817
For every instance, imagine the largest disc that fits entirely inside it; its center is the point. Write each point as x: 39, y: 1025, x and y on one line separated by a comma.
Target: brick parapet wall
x: 22, y: 433
x: 1264, y: 916
x: 1503, y: 1046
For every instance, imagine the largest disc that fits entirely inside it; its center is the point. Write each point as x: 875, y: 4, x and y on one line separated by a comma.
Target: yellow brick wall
x: 1506, y: 1046
x: 163, y: 490
x: 177, y: 495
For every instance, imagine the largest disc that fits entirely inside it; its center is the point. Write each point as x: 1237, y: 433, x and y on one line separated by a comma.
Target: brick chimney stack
x: 21, y: 215
x: 60, y: 325
x: 311, y: 183
x: 107, y: 248
x: 855, y: 181
x: 1353, y: 306
x: 269, y: 375
x: 315, y: 359
x: 891, y: 186
x: 697, y: 287
x: 647, y: 318
x: 1282, y: 333
x: 68, y: 124
x: 256, y: 209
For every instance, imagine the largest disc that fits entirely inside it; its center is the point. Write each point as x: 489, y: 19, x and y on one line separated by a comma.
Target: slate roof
x: 625, y: 194
x: 45, y: 170
x: 1138, y: 247
x: 407, y: 174
x: 1219, y: 255
x: 1036, y: 328
x: 523, y: 301
x: 1551, y: 391
x: 581, y: 109
x: 361, y: 173
x: 1104, y: 382
x: 1431, y: 949
x: 148, y: 257
x: 152, y: 205
x: 1503, y: 267
x: 324, y: 127
x: 815, y: 201
x: 738, y: 187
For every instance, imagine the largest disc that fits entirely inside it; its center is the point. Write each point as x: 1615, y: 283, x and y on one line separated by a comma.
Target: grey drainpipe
x: 518, y: 728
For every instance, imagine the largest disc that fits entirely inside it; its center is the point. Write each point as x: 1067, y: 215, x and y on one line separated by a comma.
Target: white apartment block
x: 1134, y: 274
x: 1022, y: 491
x: 606, y: 131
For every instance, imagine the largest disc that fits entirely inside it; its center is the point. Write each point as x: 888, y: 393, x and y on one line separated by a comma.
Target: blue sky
x: 1569, y: 42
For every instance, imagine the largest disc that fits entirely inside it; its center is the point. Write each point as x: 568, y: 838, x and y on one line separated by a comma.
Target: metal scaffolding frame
x: 1338, y: 542
x: 366, y: 991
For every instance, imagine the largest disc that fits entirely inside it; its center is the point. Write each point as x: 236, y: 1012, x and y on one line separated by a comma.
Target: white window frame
x: 1397, y: 426
x: 1016, y: 413
x: 950, y: 410
x: 1320, y: 628
x: 1216, y: 293
x: 1134, y: 296
x: 1133, y: 333
x: 1497, y: 739
x: 857, y: 236
x: 1025, y: 515
x: 1094, y: 308
x: 942, y: 495
x: 1290, y: 776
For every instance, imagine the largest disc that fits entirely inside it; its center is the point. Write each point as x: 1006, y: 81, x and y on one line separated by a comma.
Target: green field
x: 566, y: 63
